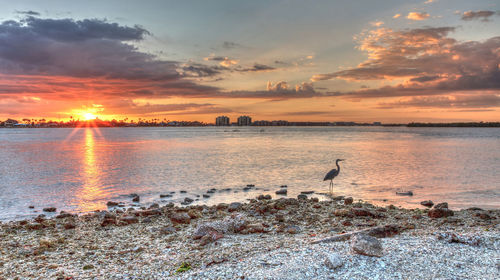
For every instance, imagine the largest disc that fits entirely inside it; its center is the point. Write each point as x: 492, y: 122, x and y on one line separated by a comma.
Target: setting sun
x: 89, y: 116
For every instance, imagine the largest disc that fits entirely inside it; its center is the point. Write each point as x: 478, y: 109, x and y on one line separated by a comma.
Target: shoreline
x: 233, y: 240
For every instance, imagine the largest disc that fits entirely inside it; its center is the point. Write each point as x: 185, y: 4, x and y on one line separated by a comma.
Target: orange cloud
x: 417, y: 16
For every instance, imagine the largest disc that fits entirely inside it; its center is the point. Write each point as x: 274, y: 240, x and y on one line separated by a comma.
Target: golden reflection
x: 91, y: 191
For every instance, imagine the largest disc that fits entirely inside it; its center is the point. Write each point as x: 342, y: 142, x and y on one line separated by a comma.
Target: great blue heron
x: 332, y: 174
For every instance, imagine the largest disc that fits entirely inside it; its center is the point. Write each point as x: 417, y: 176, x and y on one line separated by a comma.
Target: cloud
x: 429, y: 1
x: 397, y: 16
x: 427, y: 60
x: 131, y: 107
x: 478, y: 15
x: 223, y: 60
x: 257, y: 68
x: 377, y: 23
x: 230, y: 45
x: 417, y: 16
x: 29, y: 13
x: 454, y: 101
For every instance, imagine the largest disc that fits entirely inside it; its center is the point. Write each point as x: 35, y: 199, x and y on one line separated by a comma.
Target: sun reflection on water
x: 91, y: 193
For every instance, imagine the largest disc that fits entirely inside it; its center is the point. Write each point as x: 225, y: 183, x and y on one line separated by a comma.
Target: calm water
x: 80, y: 170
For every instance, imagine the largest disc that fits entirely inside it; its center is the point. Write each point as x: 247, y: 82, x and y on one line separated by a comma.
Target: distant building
x: 222, y: 120
x: 377, y: 123
x: 244, y: 120
x: 10, y: 123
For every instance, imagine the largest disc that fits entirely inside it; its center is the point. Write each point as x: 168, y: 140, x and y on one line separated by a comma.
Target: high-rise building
x: 244, y: 120
x: 222, y: 120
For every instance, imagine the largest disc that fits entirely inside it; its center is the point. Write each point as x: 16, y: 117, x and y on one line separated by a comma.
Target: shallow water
x: 81, y: 169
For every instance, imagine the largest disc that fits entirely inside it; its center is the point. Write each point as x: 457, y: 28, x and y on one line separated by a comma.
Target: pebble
x: 348, y: 200
x: 441, y: 205
x: 281, y: 192
x: 49, y: 209
x: 302, y: 197
x: 427, y: 203
x: 440, y: 213
x: 333, y: 261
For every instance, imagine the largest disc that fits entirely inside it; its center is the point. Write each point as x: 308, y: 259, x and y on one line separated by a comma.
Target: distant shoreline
x: 101, y: 124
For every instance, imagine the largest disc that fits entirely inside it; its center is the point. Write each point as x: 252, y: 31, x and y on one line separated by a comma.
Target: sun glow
x: 89, y: 116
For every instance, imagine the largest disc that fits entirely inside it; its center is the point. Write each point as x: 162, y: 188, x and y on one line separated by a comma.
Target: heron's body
x: 332, y: 174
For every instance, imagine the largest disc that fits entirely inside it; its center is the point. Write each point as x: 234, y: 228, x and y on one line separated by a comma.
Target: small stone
x: 49, y: 209
x: 348, y: 200
x: 292, y: 229
x: 408, y: 193
x: 146, y: 220
x: 281, y: 192
x: 34, y: 226
x: 302, y: 197
x: 112, y: 204
x: 187, y: 201
x: 333, y: 261
x: 88, y: 266
x: 307, y: 192
x: 63, y: 215
x: 180, y: 218
x: 283, y: 186
x: 427, y: 203
x: 366, y: 245
x: 69, y: 226
x: 440, y: 213
x: 264, y: 197
x: 31, y: 207
x: 168, y: 230
x: 129, y: 220
x: 154, y: 206
x: 206, y: 195
x: 362, y: 212
x: 183, y: 191
x: 235, y: 206
x: 441, y: 205
x: 165, y: 195
x: 136, y: 198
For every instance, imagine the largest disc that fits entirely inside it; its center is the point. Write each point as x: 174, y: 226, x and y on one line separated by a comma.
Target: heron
x: 332, y: 174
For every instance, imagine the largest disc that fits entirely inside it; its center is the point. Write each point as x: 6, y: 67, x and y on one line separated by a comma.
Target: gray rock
x: 348, y: 200
x: 235, y: 206
x: 333, y: 261
x: 112, y: 204
x: 440, y: 213
x: 206, y: 195
x: 366, y: 245
x: 302, y: 196
x: 187, y: 201
x: 165, y: 195
x: 282, y: 191
x: 49, y: 209
x: 180, y: 218
x: 427, y: 203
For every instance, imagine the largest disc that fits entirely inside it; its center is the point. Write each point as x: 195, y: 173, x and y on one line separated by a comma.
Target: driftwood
x: 380, y: 232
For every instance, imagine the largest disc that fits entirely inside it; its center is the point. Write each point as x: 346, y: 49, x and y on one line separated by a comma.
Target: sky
x: 390, y: 61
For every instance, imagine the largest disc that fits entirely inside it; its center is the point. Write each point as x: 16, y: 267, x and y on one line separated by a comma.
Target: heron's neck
x: 338, y: 166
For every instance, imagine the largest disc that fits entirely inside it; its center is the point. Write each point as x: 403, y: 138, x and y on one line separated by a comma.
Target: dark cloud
x: 30, y: 13
x: 230, y: 45
x: 478, y: 15
x: 202, y: 70
x: 130, y: 107
x: 256, y: 68
x: 455, y: 101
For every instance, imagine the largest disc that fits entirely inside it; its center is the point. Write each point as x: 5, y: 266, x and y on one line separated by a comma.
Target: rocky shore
x: 284, y: 238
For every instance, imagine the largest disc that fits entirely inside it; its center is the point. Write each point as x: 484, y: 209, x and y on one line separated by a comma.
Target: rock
x: 342, y: 213
x: 194, y: 214
x: 63, y: 215
x: 235, y: 206
x: 211, y: 190
x: 440, y: 213
x: 409, y: 193
x: 34, y: 226
x: 366, y: 245
x: 112, y: 204
x: 187, y: 201
x: 333, y: 261
x: 69, y: 226
x: 283, y: 186
x: 49, y: 209
x: 136, y: 198
x: 441, y: 205
x: 129, y: 220
x: 307, y: 192
x: 348, y: 200
x: 427, y: 203
x: 315, y: 199
x: 183, y: 191
x: 264, y: 197
x: 88, y: 266
x: 107, y: 222
x: 282, y: 192
x: 165, y: 195
x: 180, y: 218
x: 231, y: 224
x: 362, y: 212
x: 206, y: 195
x: 292, y: 229
x: 154, y: 206
x: 146, y: 220
x: 337, y: 198
x: 302, y: 197
x: 168, y: 230
x: 31, y: 207
x: 452, y: 237
x: 474, y: 209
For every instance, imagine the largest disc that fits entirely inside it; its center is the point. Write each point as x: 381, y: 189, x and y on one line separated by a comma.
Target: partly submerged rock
x: 427, y: 203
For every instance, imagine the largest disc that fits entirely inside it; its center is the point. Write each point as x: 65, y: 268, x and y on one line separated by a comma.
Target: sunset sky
x: 389, y: 61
